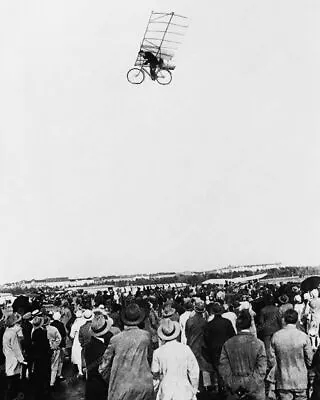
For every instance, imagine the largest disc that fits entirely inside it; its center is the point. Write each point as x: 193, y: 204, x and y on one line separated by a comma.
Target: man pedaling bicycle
x: 153, y: 61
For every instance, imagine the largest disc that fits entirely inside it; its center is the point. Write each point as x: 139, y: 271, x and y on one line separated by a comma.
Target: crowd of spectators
x: 240, y: 341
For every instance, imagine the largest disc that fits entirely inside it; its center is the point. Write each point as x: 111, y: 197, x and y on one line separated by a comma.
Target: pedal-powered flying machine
x: 160, y: 41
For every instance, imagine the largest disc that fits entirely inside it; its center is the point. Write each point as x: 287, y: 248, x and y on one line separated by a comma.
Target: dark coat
x: 96, y: 387
x: 270, y: 321
x: 243, y: 363
x: 216, y: 333
x: 195, y: 327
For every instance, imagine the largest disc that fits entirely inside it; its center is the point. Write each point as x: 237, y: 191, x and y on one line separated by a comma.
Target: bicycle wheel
x: 135, y: 76
x: 164, y: 77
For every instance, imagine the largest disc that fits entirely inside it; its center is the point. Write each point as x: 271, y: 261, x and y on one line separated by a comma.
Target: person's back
x: 270, y: 320
x: 243, y: 361
x: 291, y: 356
x: 216, y: 333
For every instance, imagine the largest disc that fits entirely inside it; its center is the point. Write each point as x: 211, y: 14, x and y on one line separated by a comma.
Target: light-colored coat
x: 178, y: 370
x: 291, y: 354
x: 12, y: 351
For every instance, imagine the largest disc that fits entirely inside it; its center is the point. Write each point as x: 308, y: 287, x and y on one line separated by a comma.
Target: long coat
x: 291, y: 354
x: 178, y: 372
x: 195, y: 326
x: 130, y: 377
x: 216, y: 333
x: 12, y: 351
x: 76, y: 346
x: 243, y: 363
x: 96, y: 387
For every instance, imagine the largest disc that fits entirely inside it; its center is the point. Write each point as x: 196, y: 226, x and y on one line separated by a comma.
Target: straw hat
x: 132, y: 315
x: 99, y: 326
x: 27, y: 316
x: 169, y: 330
x: 87, y: 314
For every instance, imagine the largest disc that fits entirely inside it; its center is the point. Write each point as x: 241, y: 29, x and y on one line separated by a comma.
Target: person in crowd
x: 96, y: 385
x: 76, y: 358
x: 269, y: 323
x: 298, y: 306
x: 26, y: 327
x: 84, y: 331
x: 316, y: 381
x: 292, y: 355
x: 54, y: 338
x: 2, y: 356
x: 284, y: 306
x: 246, y: 305
x: 230, y: 315
x: 62, y: 330
x: 313, y: 324
x: 169, y: 312
x: 41, y: 355
x: 215, y: 334
x: 127, y: 354
x: 174, y: 367
x: 12, y: 351
x: 243, y: 362
x: 188, y: 306
x: 194, y: 332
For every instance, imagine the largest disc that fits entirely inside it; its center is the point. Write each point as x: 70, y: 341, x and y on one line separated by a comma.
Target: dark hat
x: 199, y: 307
x: 284, y: 299
x: 168, y: 311
x: 217, y: 309
x: 132, y: 315
x: 169, y: 330
x: 100, y: 326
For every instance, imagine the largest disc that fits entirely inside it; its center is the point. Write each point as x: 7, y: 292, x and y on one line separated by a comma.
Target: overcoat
x: 130, y: 376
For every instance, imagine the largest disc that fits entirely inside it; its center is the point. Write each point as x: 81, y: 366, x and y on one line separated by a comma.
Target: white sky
x: 99, y: 176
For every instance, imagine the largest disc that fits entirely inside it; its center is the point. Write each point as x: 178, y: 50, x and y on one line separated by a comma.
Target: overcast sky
x: 100, y: 177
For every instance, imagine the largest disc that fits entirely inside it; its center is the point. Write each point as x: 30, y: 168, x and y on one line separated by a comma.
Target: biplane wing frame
x: 156, y: 45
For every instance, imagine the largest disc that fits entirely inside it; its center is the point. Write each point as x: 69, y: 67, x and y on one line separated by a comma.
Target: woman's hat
x: 99, y: 326
x: 169, y: 330
x: 168, y: 311
x: 37, y: 322
x: 284, y: 299
x: 13, y: 319
x: 132, y: 315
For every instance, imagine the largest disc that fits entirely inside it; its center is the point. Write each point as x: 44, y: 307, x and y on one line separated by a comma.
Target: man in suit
x: 291, y: 355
